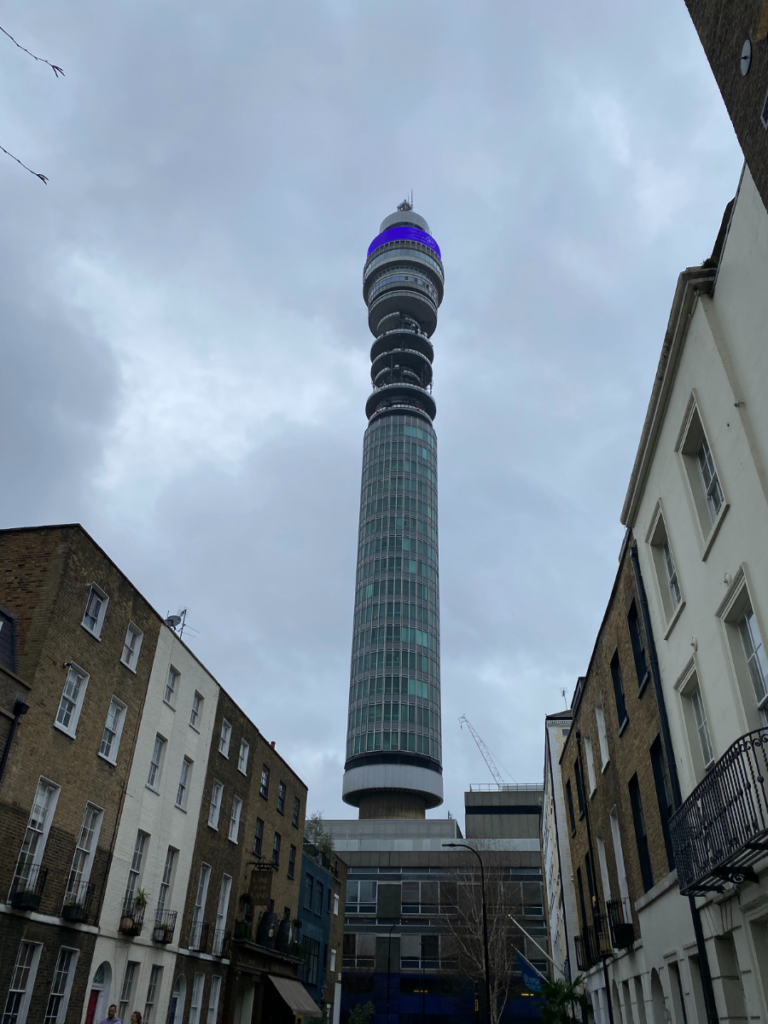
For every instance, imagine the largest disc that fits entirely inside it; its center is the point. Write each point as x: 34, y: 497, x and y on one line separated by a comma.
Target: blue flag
x: 531, y: 979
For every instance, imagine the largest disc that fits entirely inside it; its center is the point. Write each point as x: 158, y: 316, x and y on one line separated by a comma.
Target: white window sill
x: 673, y: 621
x: 195, y: 728
x: 605, y: 767
x: 109, y: 760
x: 168, y: 704
x: 245, y: 773
x: 72, y: 733
x: 593, y: 793
x: 90, y: 632
x: 233, y: 841
x: 152, y: 789
x: 214, y: 827
x: 129, y: 667
x: 623, y: 726
x: 224, y: 755
x: 710, y: 539
x: 180, y: 808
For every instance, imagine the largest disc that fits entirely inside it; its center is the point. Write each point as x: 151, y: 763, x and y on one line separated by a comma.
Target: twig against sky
x: 37, y: 174
x: 54, y: 67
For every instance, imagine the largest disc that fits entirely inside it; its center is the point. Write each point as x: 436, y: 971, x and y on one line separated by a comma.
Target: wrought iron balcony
x: 198, y: 936
x: 620, y: 923
x: 721, y: 830
x: 165, y: 926
x: 132, y: 917
x: 77, y: 901
x: 221, y: 940
x: 594, y: 944
x: 27, y: 887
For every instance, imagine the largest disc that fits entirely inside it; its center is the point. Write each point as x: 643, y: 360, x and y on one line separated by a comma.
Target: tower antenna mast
x: 483, y: 750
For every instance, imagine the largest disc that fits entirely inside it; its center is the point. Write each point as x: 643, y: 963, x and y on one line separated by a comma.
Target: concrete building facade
x: 560, y: 898
x: 698, y: 505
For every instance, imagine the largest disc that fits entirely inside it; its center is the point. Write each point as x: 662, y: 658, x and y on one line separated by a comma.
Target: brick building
x: 618, y: 800
x: 735, y: 39
x: 237, y: 928
x: 83, y: 641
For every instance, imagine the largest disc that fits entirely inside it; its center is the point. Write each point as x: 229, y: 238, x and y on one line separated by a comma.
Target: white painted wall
x: 157, y: 815
x: 723, y: 360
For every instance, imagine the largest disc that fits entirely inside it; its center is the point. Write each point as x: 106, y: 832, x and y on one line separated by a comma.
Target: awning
x: 296, y: 996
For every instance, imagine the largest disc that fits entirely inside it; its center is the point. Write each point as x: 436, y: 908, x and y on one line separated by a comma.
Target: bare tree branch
x: 37, y: 174
x: 54, y: 67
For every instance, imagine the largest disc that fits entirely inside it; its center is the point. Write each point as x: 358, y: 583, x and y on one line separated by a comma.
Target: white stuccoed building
x: 698, y: 506
x: 135, y: 954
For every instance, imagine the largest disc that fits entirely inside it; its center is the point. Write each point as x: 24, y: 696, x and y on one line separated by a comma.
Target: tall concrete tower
x: 393, y: 767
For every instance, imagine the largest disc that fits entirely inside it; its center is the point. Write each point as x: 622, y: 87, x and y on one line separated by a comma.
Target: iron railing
x: 198, y: 936
x: 165, y: 926
x: 132, y: 917
x: 77, y: 902
x: 27, y: 887
x: 221, y: 940
x: 594, y: 944
x: 722, y: 828
x: 620, y: 923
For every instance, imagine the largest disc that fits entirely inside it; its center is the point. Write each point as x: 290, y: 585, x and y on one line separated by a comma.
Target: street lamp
x: 485, y: 925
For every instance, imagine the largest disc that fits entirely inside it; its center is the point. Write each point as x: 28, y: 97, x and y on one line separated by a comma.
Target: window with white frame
x: 197, y: 999
x: 701, y: 471
x: 184, y: 780
x: 336, y: 904
x: 226, y: 733
x: 589, y: 757
x: 215, y: 806
x: 171, y: 686
x: 153, y: 988
x: 196, y: 928
x: 242, y: 760
x: 36, y: 836
x: 156, y: 763
x: 747, y: 651
x: 196, y: 712
x: 213, y: 999
x: 602, y: 737
x: 137, y: 865
x: 61, y: 986
x: 22, y: 983
x: 234, y: 819
x: 126, y: 992
x: 695, y: 716
x: 82, y: 859
x: 164, y: 893
x: 333, y: 960
x: 95, y: 610
x: 72, y: 698
x: 281, y: 798
x: 666, y: 569
x: 221, y: 914
x: 113, y: 730
x: 132, y: 646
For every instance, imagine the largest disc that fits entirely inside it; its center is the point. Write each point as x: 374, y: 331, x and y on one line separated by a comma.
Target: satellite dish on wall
x: 173, y: 621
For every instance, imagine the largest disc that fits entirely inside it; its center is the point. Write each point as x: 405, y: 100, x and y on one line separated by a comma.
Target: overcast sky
x: 185, y: 348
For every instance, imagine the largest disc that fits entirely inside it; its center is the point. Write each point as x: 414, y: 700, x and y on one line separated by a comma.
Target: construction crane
x: 483, y: 750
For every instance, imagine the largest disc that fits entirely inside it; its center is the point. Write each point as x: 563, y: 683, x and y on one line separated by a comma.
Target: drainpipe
x: 595, y: 890
x: 701, y: 946
x: 20, y: 707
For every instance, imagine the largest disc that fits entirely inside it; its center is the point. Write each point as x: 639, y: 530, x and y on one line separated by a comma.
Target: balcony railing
x: 594, y: 944
x: 77, y: 902
x: 722, y: 828
x: 27, y: 887
x: 620, y: 923
x: 165, y: 926
x: 132, y: 917
x: 221, y: 940
x: 198, y: 936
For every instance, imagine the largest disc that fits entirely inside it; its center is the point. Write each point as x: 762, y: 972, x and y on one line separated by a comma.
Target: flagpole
x: 546, y: 954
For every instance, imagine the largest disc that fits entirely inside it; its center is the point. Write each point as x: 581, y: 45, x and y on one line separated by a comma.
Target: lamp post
x: 464, y: 846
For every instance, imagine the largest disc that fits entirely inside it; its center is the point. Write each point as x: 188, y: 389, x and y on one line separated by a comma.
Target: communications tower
x: 394, y: 759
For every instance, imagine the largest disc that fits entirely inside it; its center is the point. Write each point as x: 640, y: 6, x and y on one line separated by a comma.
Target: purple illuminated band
x: 404, y: 232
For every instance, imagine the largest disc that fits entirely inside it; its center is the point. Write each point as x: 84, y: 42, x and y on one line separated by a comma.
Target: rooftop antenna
x: 565, y: 698
x: 407, y: 204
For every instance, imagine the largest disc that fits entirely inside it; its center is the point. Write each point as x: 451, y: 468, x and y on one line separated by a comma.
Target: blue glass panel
x: 412, y: 234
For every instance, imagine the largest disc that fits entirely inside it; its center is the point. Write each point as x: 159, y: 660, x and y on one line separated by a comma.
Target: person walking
x: 112, y: 1017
